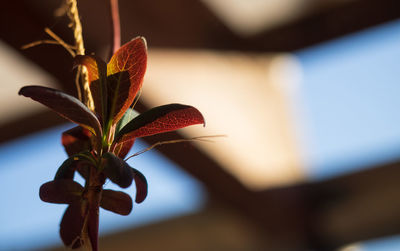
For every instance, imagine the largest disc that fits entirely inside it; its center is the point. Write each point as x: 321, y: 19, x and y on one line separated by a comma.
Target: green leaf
x: 128, y: 116
x: 116, y: 201
x: 158, y: 120
x: 62, y: 191
x: 71, y: 226
x: 66, y: 105
x: 76, y: 140
x: 141, y: 186
x: 125, y: 73
x: 121, y: 150
x: 117, y: 170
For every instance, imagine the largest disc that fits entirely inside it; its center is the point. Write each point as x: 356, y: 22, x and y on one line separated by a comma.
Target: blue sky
x: 350, y: 94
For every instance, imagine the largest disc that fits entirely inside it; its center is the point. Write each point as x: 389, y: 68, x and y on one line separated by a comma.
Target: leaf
x: 128, y: 116
x: 121, y: 150
x: 141, y: 186
x: 76, y: 140
x: 67, y: 169
x: 160, y: 119
x: 66, y: 105
x: 117, y: 170
x: 73, y: 163
x: 116, y: 201
x: 125, y: 73
x: 71, y: 226
x: 97, y: 71
x: 62, y: 191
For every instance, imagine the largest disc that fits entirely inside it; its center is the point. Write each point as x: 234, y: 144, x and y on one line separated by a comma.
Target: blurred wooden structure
x: 323, y: 215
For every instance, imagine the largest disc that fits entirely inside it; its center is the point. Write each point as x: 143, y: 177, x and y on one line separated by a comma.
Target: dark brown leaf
x: 141, y: 186
x: 63, y: 191
x: 66, y: 105
x: 117, y: 170
x: 71, y: 226
x: 116, y: 201
x: 76, y: 140
x: 67, y: 169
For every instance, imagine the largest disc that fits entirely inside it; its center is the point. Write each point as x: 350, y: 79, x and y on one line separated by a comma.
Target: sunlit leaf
x: 94, y: 65
x: 141, y: 186
x: 97, y: 71
x: 116, y: 201
x: 125, y: 73
x: 71, y: 226
x: 117, y: 170
x: 76, y: 140
x: 63, y: 191
x: 66, y: 105
x: 160, y: 119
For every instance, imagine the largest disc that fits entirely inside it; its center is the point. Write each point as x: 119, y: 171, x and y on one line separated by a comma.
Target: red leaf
x: 76, y: 140
x: 116, y: 201
x: 121, y: 150
x: 71, y: 226
x: 97, y: 70
x: 160, y: 119
x: 141, y: 186
x: 64, y: 191
x: 125, y: 73
x: 66, y: 105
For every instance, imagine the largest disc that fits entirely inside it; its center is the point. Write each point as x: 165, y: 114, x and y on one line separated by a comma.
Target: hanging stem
x: 76, y: 26
x: 115, y: 27
x: 82, y: 82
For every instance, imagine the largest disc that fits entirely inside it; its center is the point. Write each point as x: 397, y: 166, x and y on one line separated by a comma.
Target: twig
x: 76, y: 26
x: 115, y: 27
x: 200, y: 138
x: 45, y: 41
x: 57, y: 40
x: 60, y: 41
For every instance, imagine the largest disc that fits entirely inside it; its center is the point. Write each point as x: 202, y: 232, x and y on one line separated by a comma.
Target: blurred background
x: 305, y: 91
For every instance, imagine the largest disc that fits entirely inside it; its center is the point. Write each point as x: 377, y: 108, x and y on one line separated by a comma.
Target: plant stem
x: 115, y: 27
x: 76, y: 26
x: 95, y: 188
